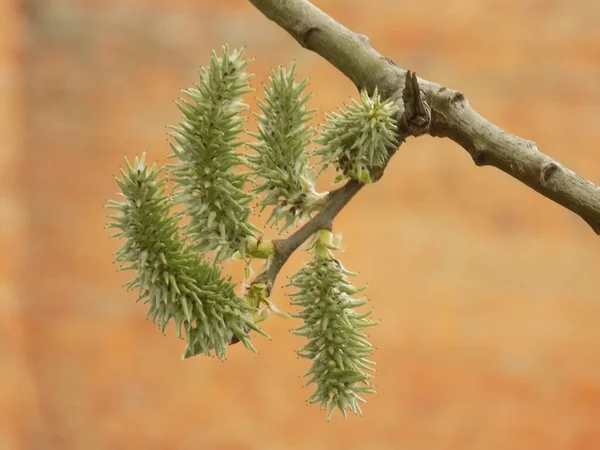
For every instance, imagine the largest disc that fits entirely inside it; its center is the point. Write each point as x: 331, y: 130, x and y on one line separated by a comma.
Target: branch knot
x: 416, y: 118
x: 548, y: 170
x: 306, y: 35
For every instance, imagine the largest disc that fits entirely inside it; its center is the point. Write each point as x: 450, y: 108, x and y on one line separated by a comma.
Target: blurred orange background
x: 488, y: 292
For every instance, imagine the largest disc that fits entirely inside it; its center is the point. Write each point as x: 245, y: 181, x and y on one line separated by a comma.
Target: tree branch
x: 450, y: 113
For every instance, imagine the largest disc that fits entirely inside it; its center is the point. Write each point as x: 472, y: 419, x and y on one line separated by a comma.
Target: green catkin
x: 205, y: 143
x: 359, y: 137
x: 338, y: 349
x: 281, y: 163
x: 176, y: 283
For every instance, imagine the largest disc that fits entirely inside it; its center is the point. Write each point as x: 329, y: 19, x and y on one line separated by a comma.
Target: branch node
x: 479, y: 157
x: 457, y: 97
x: 547, y: 171
x: 306, y: 35
x: 417, y: 113
x: 531, y: 145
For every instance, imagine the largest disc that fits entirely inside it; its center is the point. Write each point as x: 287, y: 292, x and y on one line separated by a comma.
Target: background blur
x: 488, y: 291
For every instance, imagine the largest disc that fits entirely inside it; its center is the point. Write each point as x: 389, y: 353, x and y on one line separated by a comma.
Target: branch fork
x: 424, y: 108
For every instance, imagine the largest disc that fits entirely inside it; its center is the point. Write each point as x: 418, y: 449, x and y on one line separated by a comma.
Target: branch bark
x: 451, y: 116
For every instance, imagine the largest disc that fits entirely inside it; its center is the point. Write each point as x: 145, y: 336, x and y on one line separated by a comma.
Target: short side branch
x: 284, y: 248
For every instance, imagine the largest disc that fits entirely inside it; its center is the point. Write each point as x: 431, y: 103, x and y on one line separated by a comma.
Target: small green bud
x: 256, y: 297
x: 258, y: 248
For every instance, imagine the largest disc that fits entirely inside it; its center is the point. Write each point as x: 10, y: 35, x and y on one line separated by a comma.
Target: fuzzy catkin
x: 177, y: 284
x: 358, y: 137
x: 336, y: 344
x: 281, y: 163
x: 205, y: 143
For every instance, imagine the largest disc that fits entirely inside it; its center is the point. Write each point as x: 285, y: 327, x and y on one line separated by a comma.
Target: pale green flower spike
x: 281, y: 164
x: 337, y: 345
x: 206, y: 140
x: 171, y: 277
x: 359, y: 137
